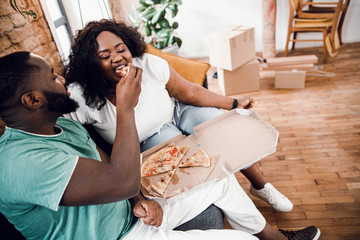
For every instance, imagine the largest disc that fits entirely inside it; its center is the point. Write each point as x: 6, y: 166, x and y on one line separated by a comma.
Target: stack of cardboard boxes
x: 232, y: 51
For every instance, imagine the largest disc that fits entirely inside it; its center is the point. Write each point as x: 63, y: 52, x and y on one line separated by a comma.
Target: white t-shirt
x: 154, y: 108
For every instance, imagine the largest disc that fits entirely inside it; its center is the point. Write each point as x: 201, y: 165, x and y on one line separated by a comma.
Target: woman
x: 168, y: 104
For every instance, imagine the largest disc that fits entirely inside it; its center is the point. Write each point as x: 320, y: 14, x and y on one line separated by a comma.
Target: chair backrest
x: 302, y: 9
x: 333, y: 36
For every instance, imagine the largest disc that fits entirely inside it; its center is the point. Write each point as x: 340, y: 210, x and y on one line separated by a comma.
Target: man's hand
x: 129, y: 88
x: 149, y: 211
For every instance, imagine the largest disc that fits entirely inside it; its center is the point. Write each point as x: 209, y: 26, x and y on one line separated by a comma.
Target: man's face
x: 52, y: 86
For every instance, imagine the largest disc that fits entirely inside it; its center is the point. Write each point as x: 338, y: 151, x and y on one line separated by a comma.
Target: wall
x: 20, y: 34
x: 120, y: 9
x: 199, y: 18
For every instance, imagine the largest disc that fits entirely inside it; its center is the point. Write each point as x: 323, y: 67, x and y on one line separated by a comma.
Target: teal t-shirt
x: 34, y: 172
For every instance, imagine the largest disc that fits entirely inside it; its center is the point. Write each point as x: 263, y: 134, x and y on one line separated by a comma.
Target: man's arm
x: 95, y: 182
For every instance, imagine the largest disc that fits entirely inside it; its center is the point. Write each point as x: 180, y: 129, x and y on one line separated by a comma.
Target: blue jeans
x: 186, y: 117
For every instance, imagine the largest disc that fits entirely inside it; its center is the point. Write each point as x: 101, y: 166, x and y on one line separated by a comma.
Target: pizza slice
x: 161, y: 185
x: 198, y: 159
x: 122, y: 70
x: 166, y: 159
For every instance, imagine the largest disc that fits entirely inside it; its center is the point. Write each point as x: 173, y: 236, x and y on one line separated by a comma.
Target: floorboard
x: 317, y: 162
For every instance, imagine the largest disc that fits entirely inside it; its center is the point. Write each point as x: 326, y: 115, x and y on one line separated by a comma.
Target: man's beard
x: 60, y: 103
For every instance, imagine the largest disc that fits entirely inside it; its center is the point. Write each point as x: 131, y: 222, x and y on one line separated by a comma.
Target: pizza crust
x: 122, y: 71
x: 161, y: 185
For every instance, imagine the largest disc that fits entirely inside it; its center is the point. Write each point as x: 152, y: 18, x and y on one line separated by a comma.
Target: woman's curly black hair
x: 83, y: 66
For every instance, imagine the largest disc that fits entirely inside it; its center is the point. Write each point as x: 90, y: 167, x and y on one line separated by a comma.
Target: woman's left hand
x: 149, y: 211
x: 246, y: 102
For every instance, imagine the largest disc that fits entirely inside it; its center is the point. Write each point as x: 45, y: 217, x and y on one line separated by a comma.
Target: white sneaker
x: 273, y: 197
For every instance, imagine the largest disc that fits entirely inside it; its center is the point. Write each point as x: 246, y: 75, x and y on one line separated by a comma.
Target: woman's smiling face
x: 112, y: 53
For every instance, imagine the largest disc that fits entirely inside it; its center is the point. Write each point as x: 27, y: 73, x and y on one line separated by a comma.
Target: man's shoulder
x: 67, y: 124
x: 61, y: 121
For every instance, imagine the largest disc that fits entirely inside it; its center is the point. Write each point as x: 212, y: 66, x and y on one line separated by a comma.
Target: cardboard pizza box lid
x: 233, y: 140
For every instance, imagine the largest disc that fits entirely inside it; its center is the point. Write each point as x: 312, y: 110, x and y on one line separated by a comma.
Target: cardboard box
x: 295, y: 60
x: 242, y: 79
x: 233, y: 140
x: 290, y: 79
x: 308, y: 66
x: 231, y: 47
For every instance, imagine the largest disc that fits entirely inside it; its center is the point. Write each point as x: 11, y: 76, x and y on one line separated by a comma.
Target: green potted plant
x: 153, y: 17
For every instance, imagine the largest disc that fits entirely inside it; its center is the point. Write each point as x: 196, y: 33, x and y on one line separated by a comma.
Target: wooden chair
x: 321, y: 9
x: 302, y: 19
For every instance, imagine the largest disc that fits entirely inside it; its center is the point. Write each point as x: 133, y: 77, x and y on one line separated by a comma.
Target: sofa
x: 191, y: 70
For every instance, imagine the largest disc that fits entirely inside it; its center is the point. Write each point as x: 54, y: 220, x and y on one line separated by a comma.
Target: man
x: 55, y: 184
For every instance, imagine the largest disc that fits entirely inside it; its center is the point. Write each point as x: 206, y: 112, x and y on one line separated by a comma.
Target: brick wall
x: 27, y: 34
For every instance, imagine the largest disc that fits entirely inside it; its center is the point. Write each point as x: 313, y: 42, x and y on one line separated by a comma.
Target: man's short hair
x: 14, y: 69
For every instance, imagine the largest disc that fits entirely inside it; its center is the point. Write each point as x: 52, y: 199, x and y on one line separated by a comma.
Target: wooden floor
x: 317, y: 163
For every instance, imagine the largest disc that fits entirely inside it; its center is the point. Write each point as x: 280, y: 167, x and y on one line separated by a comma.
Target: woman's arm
x: 194, y: 94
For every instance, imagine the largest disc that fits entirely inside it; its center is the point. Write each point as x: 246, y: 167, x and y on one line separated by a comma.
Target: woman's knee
x: 193, y: 116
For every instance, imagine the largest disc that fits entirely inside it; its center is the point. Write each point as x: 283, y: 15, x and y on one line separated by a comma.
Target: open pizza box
x: 233, y: 141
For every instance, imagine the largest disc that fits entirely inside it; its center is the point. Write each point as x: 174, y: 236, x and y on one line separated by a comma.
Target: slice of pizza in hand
x: 164, y: 160
x: 161, y: 185
x: 198, y: 159
x: 122, y: 71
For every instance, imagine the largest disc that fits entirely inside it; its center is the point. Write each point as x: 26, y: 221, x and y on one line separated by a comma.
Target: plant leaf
x: 164, y: 23
x: 178, y: 41
x: 148, y: 15
x: 149, y: 2
x: 163, y: 33
x: 148, y: 30
x: 144, y: 4
x: 158, y: 17
x: 178, y: 2
x: 141, y: 9
x: 175, y: 25
x: 156, y: 1
x: 174, y: 10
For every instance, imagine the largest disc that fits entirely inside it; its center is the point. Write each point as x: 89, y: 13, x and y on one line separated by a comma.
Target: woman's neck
x: 112, y: 98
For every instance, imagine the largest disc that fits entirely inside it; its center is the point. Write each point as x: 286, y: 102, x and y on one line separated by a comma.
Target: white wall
x: 198, y: 18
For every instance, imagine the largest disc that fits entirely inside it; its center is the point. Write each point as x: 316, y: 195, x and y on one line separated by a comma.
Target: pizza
x: 164, y: 160
x: 122, y: 70
x: 198, y: 159
x: 161, y: 185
